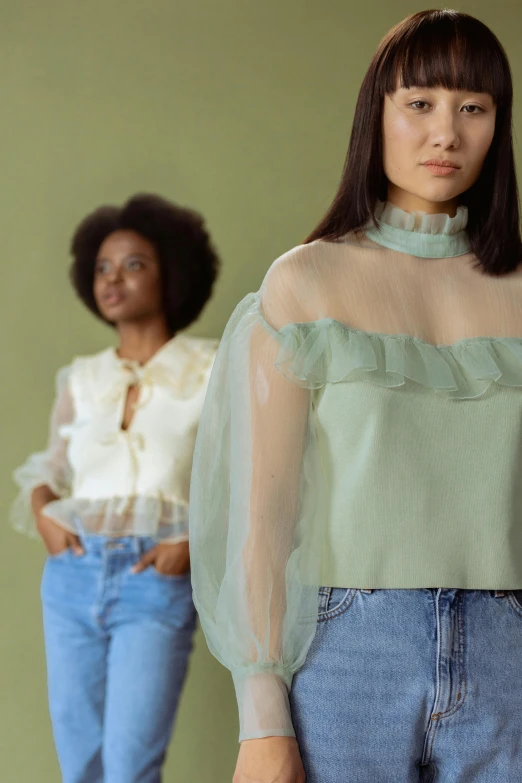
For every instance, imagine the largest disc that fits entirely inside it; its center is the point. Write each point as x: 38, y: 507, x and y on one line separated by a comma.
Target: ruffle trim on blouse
x: 117, y: 516
x: 422, y: 222
x: 420, y: 234
x: 327, y: 351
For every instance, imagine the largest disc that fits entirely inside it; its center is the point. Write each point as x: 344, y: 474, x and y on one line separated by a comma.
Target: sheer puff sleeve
x: 256, y: 498
x: 49, y: 467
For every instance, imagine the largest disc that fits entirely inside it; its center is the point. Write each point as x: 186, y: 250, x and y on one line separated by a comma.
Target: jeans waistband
x: 131, y: 544
x: 494, y: 593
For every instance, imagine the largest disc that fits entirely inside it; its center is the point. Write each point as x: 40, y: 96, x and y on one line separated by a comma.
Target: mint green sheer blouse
x: 362, y: 429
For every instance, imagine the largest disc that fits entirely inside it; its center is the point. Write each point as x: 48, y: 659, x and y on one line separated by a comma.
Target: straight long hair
x: 430, y: 49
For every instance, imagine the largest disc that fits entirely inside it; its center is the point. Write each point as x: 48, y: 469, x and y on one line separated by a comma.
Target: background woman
x: 368, y: 400
x: 110, y: 494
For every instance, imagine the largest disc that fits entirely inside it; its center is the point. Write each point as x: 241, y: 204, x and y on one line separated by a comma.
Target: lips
x: 113, y: 297
x: 442, y: 167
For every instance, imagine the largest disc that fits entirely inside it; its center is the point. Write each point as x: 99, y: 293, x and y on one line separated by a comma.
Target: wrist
x: 263, y: 702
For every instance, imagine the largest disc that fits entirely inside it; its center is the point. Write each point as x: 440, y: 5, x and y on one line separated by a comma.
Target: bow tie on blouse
x: 129, y: 374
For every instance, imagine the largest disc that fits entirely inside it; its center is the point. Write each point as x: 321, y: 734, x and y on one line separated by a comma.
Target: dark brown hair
x: 188, y: 261
x: 457, y: 52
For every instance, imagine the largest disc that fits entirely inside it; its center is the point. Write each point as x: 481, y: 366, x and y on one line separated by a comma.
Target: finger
x: 74, y: 543
x: 145, y: 561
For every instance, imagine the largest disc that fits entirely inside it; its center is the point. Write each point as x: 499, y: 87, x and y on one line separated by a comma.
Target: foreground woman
x: 369, y: 405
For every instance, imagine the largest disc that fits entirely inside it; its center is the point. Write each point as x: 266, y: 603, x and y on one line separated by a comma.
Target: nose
x: 445, y: 131
x: 114, y: 274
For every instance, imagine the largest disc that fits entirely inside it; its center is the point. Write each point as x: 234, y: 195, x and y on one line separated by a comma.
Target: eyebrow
x: 468, y: 92
x: 129, y: 255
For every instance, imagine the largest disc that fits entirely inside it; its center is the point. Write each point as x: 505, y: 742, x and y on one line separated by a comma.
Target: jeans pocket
x: 59, y: 555
x: 334, y: 601
x: 515, y: 599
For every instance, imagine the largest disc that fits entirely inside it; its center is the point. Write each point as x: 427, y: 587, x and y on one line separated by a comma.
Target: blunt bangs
x: 452, y: 51
x: 444, y: 49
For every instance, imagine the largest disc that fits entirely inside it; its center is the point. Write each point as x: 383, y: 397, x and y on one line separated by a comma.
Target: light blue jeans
x: 403, y: 686
x: 117, y: 647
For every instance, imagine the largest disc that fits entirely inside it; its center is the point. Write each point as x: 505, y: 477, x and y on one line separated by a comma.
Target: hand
x: 269, y: 760
x: 56, y: 538
x: 167, y: 559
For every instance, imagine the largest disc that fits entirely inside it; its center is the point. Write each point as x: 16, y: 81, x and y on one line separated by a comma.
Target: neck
x: 140, y: 341
x: 411, y: 203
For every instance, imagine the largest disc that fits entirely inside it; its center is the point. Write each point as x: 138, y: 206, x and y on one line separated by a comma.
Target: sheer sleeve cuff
x: 264, y: 707
x: 34, y: 473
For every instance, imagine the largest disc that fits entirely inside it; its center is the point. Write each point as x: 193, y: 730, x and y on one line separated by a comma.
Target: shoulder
x: 80, y: 376
x: 92, y: 364
x: 295, y: 286
x: 311, y: 257
x: 99, y: 359
x: 62, y: 381
x: 295, y: 263
x: 90, y: 373
x: 80, y: 365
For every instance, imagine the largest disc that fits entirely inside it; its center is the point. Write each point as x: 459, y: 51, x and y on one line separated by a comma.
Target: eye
x: 134, y: 264
x: 102, y: 267
x: 419, y: 105
x: 474, y: 109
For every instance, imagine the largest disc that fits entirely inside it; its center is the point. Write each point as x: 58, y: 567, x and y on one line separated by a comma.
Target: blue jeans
x: 403, y: 686
x: 117, y: 647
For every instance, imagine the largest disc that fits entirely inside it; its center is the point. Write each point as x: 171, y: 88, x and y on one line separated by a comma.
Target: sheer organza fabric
x: 353, y: 312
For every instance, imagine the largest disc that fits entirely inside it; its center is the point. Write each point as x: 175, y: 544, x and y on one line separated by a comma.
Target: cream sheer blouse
x: 111, y: 481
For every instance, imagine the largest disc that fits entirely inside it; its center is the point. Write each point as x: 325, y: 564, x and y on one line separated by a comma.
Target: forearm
x: 40, y: 497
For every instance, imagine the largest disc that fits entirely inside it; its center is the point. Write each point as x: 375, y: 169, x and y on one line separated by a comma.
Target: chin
x: 439, y: 195
x: 115, y: 314
x: 444, y: 191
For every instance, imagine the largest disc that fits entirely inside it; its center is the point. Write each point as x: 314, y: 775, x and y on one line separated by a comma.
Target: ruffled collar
x: 134, y: 367
x: 420, y: 234
x: 179, y: 366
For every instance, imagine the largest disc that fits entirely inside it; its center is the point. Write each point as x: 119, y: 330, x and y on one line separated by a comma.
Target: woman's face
x: 435, y: 142
x: 127, y: 279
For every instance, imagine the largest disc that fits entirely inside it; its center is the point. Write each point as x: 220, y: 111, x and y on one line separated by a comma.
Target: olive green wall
x: 240, y: 108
